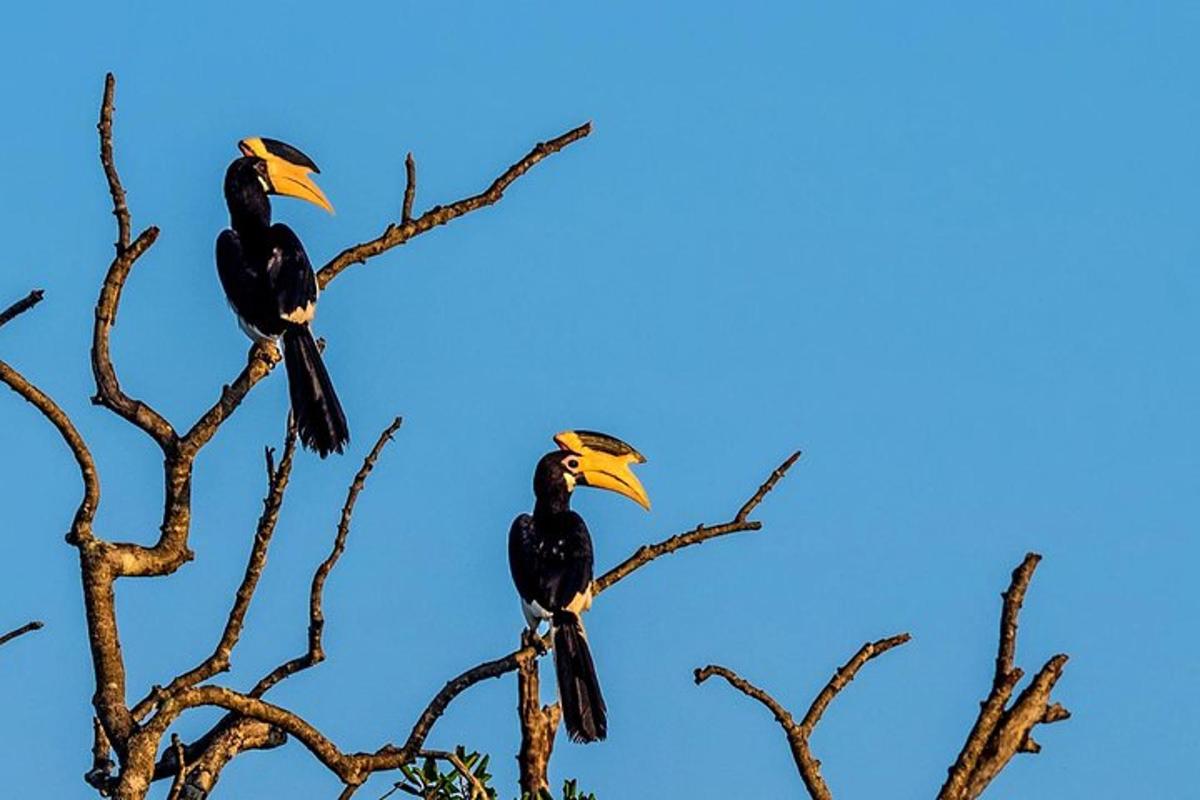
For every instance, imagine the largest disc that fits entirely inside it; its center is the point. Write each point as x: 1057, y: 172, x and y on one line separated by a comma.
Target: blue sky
x: 948, y: 250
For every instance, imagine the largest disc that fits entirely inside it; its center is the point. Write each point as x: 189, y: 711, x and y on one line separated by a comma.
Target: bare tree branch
x: 999, y: 733
x: 701, y: 533
x: 180, y: 768
x: 410, y: 189
x: 134, y: 735
x: 396, y: 235
x: 798, y: 733
x: 21, y: 306
x: 539, y: 725
x: 235, y: 732
x: 86, y: 511
x: 120, y: 209
x: 316, y: 616
x: 354, y: 768
x: 28, y: 627
x: 219, y: 660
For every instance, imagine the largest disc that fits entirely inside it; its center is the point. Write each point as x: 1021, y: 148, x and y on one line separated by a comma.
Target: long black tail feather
x: 319, y: 417
x: 583, y: 707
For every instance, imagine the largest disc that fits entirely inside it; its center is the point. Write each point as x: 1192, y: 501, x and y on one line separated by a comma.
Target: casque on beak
x: 287, y: 169
x: 605, y: 462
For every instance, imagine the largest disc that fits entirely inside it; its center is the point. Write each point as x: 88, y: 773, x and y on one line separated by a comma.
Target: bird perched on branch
x: 550, y: 555
x: 271, y: 285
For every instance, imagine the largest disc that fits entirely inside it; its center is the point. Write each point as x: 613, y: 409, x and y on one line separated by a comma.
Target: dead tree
x: 1000, y: 732
x: 132, y: 741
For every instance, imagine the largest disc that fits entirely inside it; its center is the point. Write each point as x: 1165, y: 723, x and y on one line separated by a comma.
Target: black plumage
x: 550, y: 556
x: 270, y: 283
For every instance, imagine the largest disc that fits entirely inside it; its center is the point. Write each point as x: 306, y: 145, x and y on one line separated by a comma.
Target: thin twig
x: 105, y: 127
x: 316, y: 615
x: 21, y: 306
x: 410, y: 189
x: 28, y: 627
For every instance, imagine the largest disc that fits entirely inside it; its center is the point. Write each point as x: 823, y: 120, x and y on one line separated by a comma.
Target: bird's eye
x: 572, y: 464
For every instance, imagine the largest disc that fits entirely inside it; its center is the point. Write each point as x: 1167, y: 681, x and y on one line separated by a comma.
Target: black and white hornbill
x: 550, y: 555
x: 271, y: 285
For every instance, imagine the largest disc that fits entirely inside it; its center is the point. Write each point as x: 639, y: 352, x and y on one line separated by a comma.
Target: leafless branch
x: 180, y: 768
x: 539, y: 725
x: 86, y: 511
x: 396, y: 235
x: 134, y: 735
x: 219, y: 660
x: 120, y: 209
x: 354, y: 768
x: 21, y: 306
x: 1001, y: 731
x: 798, y: 733
x: 316, y: 616
x: 410, y: 189
x: 235, y: 731
x: 28, y: 627
x: 701, y: 533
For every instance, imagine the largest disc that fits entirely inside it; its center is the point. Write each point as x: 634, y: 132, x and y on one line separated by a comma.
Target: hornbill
x: 271, y: 285
x: 550, y: 555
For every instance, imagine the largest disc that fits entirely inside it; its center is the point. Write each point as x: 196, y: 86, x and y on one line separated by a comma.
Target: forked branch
x: 798, y: 733
x: 1002, y: 730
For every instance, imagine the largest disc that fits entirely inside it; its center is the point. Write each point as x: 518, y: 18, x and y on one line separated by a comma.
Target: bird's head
x: 283, y: 169
x: 587, y: 458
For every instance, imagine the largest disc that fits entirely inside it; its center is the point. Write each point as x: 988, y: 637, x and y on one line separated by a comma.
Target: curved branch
x: 798, y: 733
x: 28, y: 627
x: 108, y: 388
x: 81, y: 528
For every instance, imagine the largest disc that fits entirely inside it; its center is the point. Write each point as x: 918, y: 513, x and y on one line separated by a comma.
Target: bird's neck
x: 249, y: 210
x: 555, y: 502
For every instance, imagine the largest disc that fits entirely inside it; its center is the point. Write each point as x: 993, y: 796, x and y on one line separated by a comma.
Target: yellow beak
x: 287, y: 177
x: 605, y: 462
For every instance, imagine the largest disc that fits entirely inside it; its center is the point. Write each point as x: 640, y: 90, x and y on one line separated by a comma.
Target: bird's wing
x: 291, y: 275
x: 523, y: 557
x: 237, y: 279
x: 566, y: 570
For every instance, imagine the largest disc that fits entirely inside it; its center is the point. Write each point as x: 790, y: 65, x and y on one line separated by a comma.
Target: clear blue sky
x: 950, y: 251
